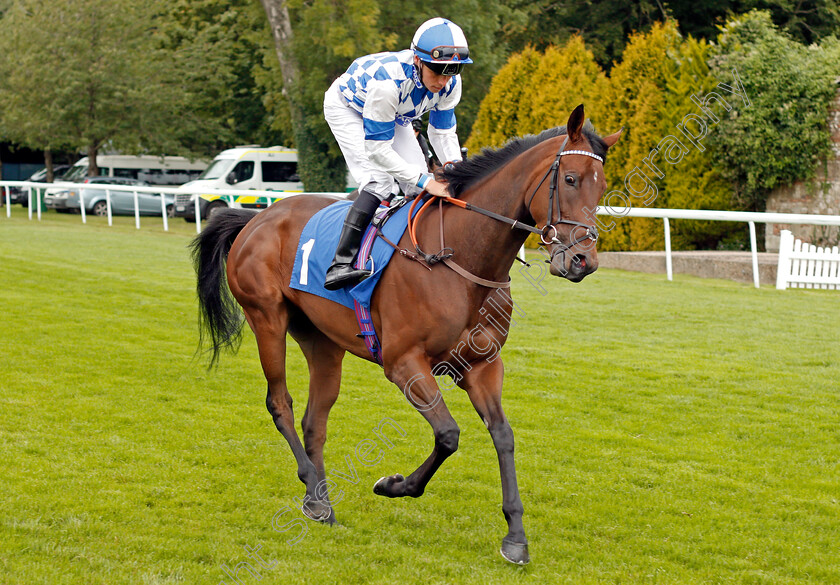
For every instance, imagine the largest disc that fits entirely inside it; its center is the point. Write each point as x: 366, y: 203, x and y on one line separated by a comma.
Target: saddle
x: 316, y: 247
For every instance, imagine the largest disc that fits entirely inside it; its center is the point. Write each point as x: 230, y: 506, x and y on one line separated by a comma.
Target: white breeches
x: 348, y: 129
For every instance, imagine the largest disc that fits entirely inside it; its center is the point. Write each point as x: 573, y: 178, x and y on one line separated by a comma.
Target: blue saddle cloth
x: 316, y: 249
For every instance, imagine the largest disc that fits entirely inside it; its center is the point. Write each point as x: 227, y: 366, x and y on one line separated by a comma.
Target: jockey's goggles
x: 448, y: 69
x: 446, y: 60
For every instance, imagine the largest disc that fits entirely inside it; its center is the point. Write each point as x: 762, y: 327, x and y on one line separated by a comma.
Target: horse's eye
x: 570, y: 180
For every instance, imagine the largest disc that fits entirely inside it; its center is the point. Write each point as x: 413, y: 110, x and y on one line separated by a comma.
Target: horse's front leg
x: 483, y: 384
x: 414, y: 376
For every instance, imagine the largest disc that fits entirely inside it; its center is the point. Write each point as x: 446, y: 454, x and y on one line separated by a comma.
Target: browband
x: 585, y: 152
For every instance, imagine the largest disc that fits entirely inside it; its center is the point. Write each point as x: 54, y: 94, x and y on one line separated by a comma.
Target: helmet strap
x: 418, y: 65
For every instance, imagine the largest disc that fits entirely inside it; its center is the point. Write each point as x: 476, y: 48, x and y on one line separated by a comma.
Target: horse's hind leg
x: 324, y: 359
x: 270, y: 330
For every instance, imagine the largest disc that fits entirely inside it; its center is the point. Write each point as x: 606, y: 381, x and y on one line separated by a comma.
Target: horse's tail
x: 219, y: 316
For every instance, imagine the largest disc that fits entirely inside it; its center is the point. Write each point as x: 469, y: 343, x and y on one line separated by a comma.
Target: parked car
x: 18, y: 194
x: 93, y: 192
x: 157, y: 170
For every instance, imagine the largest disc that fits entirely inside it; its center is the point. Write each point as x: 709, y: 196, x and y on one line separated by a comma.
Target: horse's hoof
x: 383, y: 486
x: 515, y: 552
x: 318, y: 512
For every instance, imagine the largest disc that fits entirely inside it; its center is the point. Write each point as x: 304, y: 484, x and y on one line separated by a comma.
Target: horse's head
x: 565, y: 200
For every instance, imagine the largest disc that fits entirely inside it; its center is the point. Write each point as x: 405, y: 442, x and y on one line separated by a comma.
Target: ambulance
x: 242, y: 168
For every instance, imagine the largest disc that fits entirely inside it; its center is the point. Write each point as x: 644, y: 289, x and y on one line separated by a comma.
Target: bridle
x: 550, y: 225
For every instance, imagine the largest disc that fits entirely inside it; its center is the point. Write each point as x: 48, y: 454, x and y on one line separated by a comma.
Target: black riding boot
x: 342, y: 273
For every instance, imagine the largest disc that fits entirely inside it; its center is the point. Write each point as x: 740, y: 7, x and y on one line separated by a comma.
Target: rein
x: 554, y: 170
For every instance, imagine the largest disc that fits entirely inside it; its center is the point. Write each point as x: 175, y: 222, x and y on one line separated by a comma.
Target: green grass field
x: 682, y: 432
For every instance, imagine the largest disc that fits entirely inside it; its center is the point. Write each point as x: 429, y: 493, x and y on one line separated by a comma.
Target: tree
x: 781, y: 136
x: 29, y: 114
x: 636, y: 100
x: 535, y: 91
x: 652, y: 94
x: 311, y: 41
x: 501, y: 113
x: 105, y: 83
x: 575, y: 78
x: 807, y: 21
x: 4, y: 6
x: 220, y: 46
x: 483, y: 22
x: 604, y: 26
x: 696, y: 182
x: 649, y: 93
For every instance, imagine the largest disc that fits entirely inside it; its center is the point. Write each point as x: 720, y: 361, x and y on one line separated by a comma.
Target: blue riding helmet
x: 442, y: 47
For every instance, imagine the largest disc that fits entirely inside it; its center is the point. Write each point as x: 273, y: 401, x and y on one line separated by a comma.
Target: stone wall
x: 819, y: 196
x: 729, y: 265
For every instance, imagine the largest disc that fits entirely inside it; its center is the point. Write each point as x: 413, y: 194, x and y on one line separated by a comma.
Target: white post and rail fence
x: 799, y: 264
x: 749, y: 217
x: 35, y: 193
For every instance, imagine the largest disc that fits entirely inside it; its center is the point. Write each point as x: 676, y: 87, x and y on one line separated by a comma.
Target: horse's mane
x: 466, y: 173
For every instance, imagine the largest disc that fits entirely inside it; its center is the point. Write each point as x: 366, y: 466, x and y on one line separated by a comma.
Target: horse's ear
x: 613, y: 138
x: 575, y: 123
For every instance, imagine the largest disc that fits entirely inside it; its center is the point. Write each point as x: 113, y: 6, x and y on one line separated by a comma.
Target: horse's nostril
x: 579, y: 262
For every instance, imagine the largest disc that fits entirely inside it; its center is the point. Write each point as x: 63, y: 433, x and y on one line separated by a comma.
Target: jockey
x: 370, y: 110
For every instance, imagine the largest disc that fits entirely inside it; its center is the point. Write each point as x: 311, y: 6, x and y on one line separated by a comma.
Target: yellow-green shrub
x: 564, y: 78
x: 636, y: 99
x: 498, y: 115
x: 535, y: 91
x: 648, y: 93
x: 696, y: 182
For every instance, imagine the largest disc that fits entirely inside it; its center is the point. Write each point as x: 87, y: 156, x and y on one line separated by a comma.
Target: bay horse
x: 424, y: 315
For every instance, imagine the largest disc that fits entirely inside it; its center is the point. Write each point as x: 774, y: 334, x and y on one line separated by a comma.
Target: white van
x: 245, y: 167
x: 155, y: 170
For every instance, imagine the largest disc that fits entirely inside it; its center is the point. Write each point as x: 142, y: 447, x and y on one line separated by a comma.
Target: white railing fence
x: 35, y: 192
x: 803, y: 265
x: 749, y: 217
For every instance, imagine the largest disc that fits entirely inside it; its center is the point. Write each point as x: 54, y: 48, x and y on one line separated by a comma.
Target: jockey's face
x: 431, y: 80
